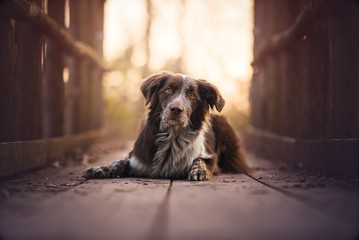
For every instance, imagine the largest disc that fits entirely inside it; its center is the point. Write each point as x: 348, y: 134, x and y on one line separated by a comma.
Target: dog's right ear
x: 151, y: 84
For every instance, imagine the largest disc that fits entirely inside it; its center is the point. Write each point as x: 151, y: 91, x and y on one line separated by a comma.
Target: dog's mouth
x: 174, y: 120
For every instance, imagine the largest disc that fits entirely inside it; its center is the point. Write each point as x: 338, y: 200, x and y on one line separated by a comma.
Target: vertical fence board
x: 54, y: 90
x: 277, y: 16
x: 273, y: 89
x: 98, y: 9
x: 291, y: 91
x: 79, y: 69
x: 29, y: 80
x: 256, y: 84
x: 255, y: 99
x: 8, y: 91
x: 315, y: 82
x: 260, y: 94
x: 95, y: 37
x: 289, y: 64
x: 318, y: 83
x: 24, y: 96
x: 344, y: 69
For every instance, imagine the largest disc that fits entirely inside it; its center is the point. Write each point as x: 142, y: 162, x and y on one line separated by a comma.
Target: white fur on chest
x: 175, y: 155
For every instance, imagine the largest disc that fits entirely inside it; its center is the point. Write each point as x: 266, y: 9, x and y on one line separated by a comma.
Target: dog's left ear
x: 210, y: 93
x: 151, y: 84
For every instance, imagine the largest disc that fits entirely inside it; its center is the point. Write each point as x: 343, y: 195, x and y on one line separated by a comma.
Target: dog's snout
x: 175, y: 110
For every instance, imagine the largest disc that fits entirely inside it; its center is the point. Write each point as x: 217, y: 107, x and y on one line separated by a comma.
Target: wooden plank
x: 260, y: 17
x: 258, y: 94
x: 334, y: 156
x: 266, y: 91
x: 57, y: 147
x: 95, y: 76
x: 33, y: 14
x: 289, y: 73
x: 309, y: 14
x: 8, y: 88
x: 314, y: 82
x: 333, y: 195
x: 234, y: 206
x: 343, y: 113
x: 290, y: 78
x: 270, y: 144
x: 231, y: 206
x: 227, y: 207
x: 271, y: 70
x: 54, y: 88
x: 79, y: 68
x: 18, y: 157
x: 255, y: 97
x: 273, y: 87
x: 29, y: 80
x: 100, y: 209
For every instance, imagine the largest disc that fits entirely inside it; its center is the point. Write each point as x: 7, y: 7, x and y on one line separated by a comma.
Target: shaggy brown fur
x: 179, y: 138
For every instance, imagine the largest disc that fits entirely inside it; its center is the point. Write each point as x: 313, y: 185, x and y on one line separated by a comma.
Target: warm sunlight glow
x: 205, y: 39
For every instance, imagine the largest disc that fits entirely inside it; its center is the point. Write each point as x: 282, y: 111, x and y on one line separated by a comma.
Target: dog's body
x: 179, y: 138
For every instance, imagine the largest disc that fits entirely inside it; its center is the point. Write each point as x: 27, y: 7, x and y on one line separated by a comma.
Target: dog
x: 179, y: 137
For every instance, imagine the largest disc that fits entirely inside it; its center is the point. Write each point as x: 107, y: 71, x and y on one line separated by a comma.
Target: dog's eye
x: 168, y: 90
x: 191, y: 95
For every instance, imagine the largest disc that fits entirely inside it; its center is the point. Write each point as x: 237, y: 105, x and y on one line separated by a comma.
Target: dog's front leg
x: 116, y: 169
x: 199, y: 171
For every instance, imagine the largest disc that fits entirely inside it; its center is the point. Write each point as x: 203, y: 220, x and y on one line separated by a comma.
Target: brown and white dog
x: 179, y: 138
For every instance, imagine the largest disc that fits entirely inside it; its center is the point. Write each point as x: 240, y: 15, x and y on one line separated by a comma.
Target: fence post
x: 54, y: 91
x: 29, y: 80
x: 314, y: 82
x: 8, y: 91
x: 97, y: 10
x: 343, y: 83
x: 79, y: 68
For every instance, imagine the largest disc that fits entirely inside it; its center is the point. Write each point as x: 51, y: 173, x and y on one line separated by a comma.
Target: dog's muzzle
x: 175, y: 110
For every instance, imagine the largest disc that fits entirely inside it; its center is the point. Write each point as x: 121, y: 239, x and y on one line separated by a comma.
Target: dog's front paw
x: 116, y: 169
x: 95, y: 173
x: 199, y: 171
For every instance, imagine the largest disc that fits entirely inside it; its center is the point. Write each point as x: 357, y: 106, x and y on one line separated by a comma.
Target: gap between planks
x: 160, y: 228
x: 297, y: 197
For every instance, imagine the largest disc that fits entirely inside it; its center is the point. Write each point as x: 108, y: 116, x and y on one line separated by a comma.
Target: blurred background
x: 205, y: 39
x: 303, y: 91
x: 71, y: 70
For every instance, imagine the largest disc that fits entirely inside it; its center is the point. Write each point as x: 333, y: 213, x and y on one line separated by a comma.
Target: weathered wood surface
x: 306, y: 82
x: 22, y: 156
x: 32, y: 87
x: 31, y: 13
x: 97, y: 210
x: 343, y: 119
x: 226, y: 207
x: 54, y: 86
x: 338, y: 156
x: 29, y: 80
x: 8, y: 89
x: 279, y: 40
x: 85, y: 80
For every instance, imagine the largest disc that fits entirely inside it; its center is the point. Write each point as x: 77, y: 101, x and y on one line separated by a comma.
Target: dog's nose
x: 176, y: 110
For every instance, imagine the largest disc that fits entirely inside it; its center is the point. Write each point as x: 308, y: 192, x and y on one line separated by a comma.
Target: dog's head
x: 180, y: 100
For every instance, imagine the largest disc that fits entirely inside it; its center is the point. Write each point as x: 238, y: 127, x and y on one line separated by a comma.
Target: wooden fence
x: 305, y: 86
x: 50, y: 80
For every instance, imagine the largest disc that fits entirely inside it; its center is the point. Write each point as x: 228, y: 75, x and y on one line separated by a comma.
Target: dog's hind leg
x: 231, y: 158
x: 116, y: 169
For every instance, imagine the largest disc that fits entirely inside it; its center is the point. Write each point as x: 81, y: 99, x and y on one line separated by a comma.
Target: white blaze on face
x: 183, y: 102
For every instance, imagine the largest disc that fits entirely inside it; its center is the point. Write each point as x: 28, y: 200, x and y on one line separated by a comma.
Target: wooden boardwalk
x: 275, y: 202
